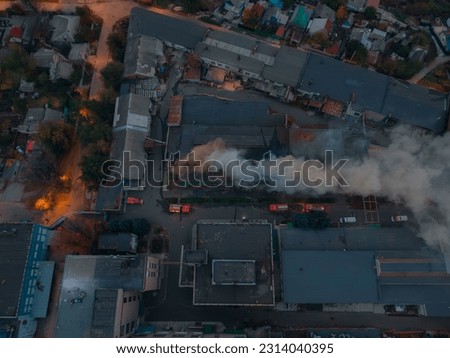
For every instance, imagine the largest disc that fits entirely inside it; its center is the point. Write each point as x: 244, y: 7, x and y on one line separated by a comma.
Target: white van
x: 348, y: 220
x: 399, y: 218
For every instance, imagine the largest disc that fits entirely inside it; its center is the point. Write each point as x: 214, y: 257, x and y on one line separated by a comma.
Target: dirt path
x: 429, y: 68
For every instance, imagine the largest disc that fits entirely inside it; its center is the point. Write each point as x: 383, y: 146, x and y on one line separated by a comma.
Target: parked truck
x: 180, y: 208
x: 134, y: 201
x: 278, y: 208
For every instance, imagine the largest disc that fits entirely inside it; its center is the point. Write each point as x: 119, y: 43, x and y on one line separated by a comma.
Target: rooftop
x: 344, y: 82
x: 166, y: 28
x: 83, y: 276
x: 385, y: 277
x: 329, y: 277
x: 287, y: 67
x: 242, y: 124
x: 357, y: 238
x: 14, y: 246
x: 142, y: 54
x: 416, y: 105
x: 250, y: 267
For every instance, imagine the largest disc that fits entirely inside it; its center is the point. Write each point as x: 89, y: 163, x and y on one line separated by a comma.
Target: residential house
x: 274, y: 16
x: 252, y: 14
x: 319, y: 25
x: 36, y: 116
x: 100, y: 295
x: 142, y: 56
x: 324, y: 12
x: 22, y: 28
x: 64, y: 28
x: 301, y: 16
x: 373, y: 3
x: 58, y: 65
x: 26, y: 87
x: 26, y: 278
x: 357, y: 5
x: 418, y: 53
x: 277, y: 3
x: 60, y: 69
x: 362, y: 5
x: 78, y: 53
x: 235, y: 7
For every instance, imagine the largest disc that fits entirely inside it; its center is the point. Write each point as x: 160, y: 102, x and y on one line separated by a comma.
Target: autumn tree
x: 341, y: 13
x: 56, y: 137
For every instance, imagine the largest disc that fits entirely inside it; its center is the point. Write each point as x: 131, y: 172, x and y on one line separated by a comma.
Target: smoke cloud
x: 413, y: 170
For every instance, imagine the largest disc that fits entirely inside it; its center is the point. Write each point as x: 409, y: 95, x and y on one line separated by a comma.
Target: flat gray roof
x: 141, y: 55
x: 86, y: 274
x: 241, y: 124
x: 227, y: 240
x: 416, y: 105
x: 383, y: 277
x: 287, y: 68
x: 233, y: 272
x: 357, y: 238
x: 105, y: 308
x: 329, y: 277
x: 243, y: 41
x: 166, y: 28
x: 14, y: 246
x: 230, y: 58
x: 342, y: 81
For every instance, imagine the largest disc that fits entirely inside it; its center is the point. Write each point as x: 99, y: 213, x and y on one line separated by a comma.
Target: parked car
x: 20, y: 150
x: 348, y: 220
x: 135, y: 201
x: 399, y: 218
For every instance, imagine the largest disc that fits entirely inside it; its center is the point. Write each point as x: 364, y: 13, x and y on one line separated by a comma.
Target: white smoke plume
x: 413, y: 170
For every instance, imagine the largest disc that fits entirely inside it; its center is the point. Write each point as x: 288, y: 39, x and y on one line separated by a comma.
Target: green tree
x: 56, y: 137
x: 334, y: 4
x: 116, y: 44
x: 356, y: 52
x: 112, y: 75
x: 370, y: 13
x: 91, y: 168
x: 312, y: 220
x: 140, y: 227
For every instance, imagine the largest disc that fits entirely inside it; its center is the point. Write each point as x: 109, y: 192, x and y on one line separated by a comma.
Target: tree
x: 112, y: 75
x: 56, y: 137
x: 312, y: 220
x: 140, y: 227
x: 116, y: 44
x: 356, y: 52
x: 91, y: 168
x: 370, y: 13
x: 320, y: 38
x: 334, y: 4
x: 341, y: 13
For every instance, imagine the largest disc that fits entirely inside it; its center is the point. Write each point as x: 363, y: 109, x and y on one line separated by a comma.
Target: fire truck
x: 278, y: 208
x: 134, y: 201
x: 180, y: 208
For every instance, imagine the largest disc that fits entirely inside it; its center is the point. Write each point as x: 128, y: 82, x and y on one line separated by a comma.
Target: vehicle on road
x: 20, y: 150
x: 347, y: 220
x: 135, y: 201
x: 180, y: 208
x: 399, y: 218
x: 278, y: 208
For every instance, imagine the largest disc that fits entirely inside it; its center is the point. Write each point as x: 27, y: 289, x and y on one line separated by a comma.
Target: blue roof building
x: 26, y: 277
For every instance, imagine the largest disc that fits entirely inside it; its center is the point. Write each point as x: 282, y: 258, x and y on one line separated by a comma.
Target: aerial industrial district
x: 224, y: 169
